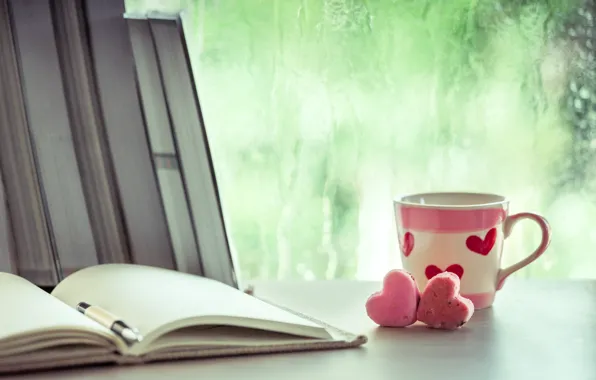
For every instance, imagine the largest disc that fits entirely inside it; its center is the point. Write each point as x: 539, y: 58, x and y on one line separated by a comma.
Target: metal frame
x: 164, y: 149
x: 49, y: 123
x: 103, y: 151
x: 28, y: 213
x: 189, y: 138
x: 88, y: 131
x: 130, y: 153
x: 7, y: 254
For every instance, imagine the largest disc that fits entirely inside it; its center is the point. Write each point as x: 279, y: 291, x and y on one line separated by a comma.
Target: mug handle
x: 510, y: 221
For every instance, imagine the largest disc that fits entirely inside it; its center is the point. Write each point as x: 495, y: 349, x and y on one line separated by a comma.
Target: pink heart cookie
x: 441, y: 306
x: 395, y: 305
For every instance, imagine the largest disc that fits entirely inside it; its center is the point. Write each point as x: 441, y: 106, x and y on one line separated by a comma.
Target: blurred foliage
x: 320, y: 111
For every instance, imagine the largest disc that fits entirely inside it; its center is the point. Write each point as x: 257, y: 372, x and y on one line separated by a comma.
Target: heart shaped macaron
x: 441, y: 306
x: 396, y: 303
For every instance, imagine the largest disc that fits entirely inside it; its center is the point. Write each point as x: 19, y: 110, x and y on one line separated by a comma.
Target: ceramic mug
x: 461, y: 233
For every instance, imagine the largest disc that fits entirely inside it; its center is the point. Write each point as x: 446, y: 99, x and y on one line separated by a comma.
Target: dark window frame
x: 84, y: 178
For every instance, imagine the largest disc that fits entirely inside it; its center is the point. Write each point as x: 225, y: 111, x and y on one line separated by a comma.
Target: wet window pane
x: 320, y: 111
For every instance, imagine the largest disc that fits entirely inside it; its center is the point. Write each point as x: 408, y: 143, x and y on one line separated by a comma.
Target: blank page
x: 149, y: 298
x: 24, y: 308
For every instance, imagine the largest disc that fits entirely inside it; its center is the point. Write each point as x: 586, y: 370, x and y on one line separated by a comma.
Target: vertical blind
x: 103, y: 151
x: 33, y: 246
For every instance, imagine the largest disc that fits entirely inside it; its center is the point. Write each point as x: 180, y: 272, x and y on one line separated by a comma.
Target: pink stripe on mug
x: 439, y: 220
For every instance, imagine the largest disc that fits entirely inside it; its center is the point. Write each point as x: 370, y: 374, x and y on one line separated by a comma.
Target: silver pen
x: 109, y: 320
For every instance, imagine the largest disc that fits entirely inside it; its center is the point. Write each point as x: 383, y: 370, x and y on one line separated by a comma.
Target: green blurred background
x: 320, y: 111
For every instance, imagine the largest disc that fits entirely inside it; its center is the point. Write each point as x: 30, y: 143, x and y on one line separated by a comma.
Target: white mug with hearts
x: 461, y: 233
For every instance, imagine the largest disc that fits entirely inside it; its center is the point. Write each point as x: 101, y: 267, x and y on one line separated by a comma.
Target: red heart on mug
x: 433, y: 270
x: 441, y: 306
x: 482, y: 246
x: 396, y: 304
x: 408, y: 244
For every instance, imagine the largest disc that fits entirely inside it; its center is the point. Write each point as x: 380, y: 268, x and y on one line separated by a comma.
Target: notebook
x: 178, y: 316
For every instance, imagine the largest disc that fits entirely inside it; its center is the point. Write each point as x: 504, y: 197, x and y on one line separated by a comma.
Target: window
x: 319, y: 112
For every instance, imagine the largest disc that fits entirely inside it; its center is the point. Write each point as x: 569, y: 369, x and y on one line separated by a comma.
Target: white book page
x: 223, y: 336
x: 153, y: 299
x: 26, y: 309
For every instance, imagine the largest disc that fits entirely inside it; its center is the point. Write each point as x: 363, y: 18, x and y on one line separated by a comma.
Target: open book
x: 178, y: 316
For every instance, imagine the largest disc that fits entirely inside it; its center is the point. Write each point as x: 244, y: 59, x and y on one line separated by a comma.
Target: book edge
x: 349, y: 340
x: 244, y: 351
x: 62, y: 363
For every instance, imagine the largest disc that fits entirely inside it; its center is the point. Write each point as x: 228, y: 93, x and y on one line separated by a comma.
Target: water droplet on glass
x: 583, y: 54
x: 584, y: 93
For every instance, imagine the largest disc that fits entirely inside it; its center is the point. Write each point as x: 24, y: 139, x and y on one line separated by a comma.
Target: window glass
x: 320, y: 111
